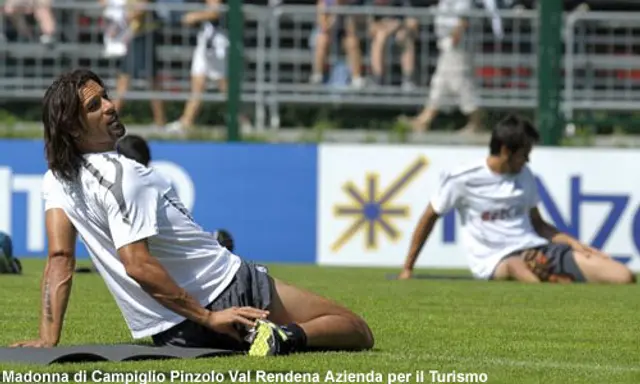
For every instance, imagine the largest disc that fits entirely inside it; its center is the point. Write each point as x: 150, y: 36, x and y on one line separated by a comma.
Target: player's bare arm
x: 196, y: 17
x: 57, y: 278
x: 458, y: 32
x: 552, y: 234
x: 420, y: 236
x: 548, y: 231
x: 153, y: 278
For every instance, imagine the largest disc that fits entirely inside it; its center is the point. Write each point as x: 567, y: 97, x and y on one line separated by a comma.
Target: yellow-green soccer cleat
x: 268, y: 339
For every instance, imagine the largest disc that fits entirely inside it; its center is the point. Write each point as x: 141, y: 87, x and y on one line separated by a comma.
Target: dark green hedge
x: 328, y: 117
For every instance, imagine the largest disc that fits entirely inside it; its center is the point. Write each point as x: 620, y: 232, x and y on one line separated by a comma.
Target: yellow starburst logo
x: 373, y: 211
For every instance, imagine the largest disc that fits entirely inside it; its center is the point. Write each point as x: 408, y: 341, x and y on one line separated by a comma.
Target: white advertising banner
x: 371, y: 197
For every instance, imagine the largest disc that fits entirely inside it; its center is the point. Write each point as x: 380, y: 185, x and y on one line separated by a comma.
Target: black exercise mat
x: 91, y: 353
x: 429, y: 276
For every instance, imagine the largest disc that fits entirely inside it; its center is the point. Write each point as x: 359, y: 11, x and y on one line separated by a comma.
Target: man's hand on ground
x: 224, y: 321
x: 38, y: 343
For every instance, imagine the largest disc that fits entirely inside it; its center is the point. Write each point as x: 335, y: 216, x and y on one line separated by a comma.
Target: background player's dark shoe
x: 225, y: 239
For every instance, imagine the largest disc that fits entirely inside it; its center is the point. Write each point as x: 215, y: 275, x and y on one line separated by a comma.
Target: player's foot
x: 469, y: 129
x: 268, y: 339
x: 176, y: 128
x: 358, y: 83
x: 316, y: 78
x: 416, y: 125
x: 408, y: 86
x: 47, y: 40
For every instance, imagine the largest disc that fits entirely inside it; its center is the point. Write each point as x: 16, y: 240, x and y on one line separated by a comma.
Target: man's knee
x: 359, y: 327
x: 604, y: 270
x: 362, y: 328
x: 622, y: 276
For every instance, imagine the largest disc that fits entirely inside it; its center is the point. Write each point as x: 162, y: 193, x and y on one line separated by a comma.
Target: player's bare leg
x: 406, y: 37
x: 157, y: 105
x: 122, y: 85
x: 17, y: 16
x: 474, y: 125
x: 351, y: 45
x: 422, y: 122
x: 600, y: 269
x: 47, y: 23
x: 514, y: 268
x: 320, y: 56
x: 192, y: 108
x: 326, y: 325
x: 382, y: 30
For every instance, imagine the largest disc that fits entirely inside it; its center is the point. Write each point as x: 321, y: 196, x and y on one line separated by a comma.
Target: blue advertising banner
x: 264, y: 194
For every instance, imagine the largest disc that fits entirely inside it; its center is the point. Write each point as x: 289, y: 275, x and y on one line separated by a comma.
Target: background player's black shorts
x: 552, y: 263
x: 251, y: 287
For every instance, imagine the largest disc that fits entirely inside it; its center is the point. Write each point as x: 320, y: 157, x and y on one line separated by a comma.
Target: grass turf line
x: 516, y: 333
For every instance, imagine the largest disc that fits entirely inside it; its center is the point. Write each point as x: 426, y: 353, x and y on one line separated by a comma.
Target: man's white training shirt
x: 116, y: 201
x: 494, y: 210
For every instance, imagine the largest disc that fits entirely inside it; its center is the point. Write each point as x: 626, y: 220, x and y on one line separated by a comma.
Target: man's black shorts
x: 551, y: 263
x: 251, y: 287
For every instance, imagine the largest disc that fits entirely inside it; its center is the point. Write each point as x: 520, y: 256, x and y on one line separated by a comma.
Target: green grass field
x: 515, y: 333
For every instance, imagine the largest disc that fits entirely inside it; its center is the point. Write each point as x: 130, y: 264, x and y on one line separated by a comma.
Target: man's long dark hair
x: 61, y: 116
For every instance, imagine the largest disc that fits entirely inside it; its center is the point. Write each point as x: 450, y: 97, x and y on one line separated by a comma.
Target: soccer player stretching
x: 172, y: 280
x: 504, y: 235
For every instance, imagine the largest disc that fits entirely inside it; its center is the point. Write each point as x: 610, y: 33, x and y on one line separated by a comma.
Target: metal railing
x: 507, y: 67
x: 601, y: 62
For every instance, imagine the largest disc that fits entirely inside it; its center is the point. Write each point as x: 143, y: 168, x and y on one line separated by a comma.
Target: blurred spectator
x: 209, y: 61
x: 404, y: 30
x: 453, y: 74
x: 141, y: 58
x: 332, y: 27
x: 492, y: 6
x: 3, y: 37
x: 117, y: 32
x: 41, y: 10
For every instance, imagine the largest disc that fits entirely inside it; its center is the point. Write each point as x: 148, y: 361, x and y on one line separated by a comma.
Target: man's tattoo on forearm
x: 47, y: 302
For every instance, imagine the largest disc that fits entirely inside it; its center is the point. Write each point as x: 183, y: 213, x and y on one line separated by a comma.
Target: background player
x: 504, y: 234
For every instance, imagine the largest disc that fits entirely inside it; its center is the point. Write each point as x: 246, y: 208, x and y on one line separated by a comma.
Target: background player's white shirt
x: 117, y: 201
x: 494, y: 212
